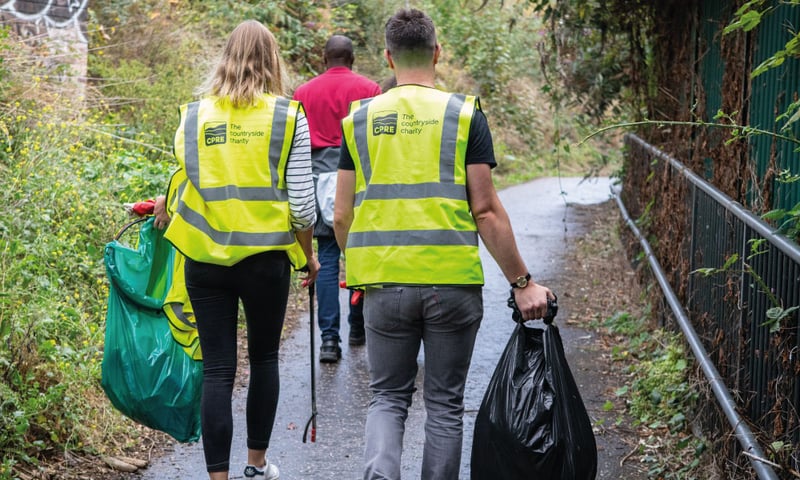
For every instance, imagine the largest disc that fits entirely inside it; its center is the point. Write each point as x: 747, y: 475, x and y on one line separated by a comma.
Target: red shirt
x: 326, y: 100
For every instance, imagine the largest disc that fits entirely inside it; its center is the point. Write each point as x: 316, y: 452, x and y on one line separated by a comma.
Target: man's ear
x: 388, y: 57
x: 436, y: 52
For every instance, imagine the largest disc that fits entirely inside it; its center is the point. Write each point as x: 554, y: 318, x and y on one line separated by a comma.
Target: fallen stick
x: 119, y: 465
x: 137, y: 462
x: 762, y: 460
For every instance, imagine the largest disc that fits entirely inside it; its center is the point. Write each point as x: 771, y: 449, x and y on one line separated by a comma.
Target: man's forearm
x: 341, y: 227
x: 496, y: 233
x: 343, y: 206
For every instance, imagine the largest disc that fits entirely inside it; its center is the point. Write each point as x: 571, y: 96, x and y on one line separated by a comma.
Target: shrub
x: 64, y: 179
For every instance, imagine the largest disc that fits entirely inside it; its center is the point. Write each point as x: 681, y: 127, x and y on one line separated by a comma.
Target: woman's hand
x: 312, y: 271
x: 160, y: 212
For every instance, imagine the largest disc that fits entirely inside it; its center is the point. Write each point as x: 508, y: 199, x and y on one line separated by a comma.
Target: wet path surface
x: 544, y: 226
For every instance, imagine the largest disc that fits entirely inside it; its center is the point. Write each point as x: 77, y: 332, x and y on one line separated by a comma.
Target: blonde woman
x: 241, y: 209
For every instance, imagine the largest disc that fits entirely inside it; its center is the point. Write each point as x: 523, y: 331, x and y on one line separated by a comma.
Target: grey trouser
x: 398, y: 319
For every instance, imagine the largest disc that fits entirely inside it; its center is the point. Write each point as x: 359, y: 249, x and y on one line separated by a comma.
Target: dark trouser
x: 445, y: 321
x: 328, y: 288
x: 262, y: 283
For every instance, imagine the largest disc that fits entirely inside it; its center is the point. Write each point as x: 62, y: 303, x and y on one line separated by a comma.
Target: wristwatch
x: 521, y: 282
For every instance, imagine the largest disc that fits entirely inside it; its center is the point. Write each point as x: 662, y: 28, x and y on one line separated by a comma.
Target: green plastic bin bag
x: 146, y: 374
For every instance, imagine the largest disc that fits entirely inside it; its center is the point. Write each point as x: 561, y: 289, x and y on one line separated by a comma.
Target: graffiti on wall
x: 43, y: 16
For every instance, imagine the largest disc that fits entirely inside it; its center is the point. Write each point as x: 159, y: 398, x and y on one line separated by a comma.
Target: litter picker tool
x: 312, y: 422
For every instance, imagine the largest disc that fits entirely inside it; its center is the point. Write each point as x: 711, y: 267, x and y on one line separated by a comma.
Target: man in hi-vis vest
x: 414, y: 192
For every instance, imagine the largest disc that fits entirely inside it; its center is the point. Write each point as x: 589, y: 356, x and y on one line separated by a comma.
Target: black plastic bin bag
x: 532, y: 423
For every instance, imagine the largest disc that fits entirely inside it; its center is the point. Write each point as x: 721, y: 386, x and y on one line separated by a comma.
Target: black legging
x: 262, y: 283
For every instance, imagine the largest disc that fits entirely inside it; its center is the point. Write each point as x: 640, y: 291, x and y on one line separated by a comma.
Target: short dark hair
x: 339, y: 49
x: 410, y: 37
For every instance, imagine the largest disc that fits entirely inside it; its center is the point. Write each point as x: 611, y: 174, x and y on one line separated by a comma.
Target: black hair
x: 410, y: 37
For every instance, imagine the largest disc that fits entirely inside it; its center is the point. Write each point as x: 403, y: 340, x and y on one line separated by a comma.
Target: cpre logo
x: 384, y: 123
x: 215, y: 133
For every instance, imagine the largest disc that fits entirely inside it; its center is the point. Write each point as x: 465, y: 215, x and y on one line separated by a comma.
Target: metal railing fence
x: 748, y: 268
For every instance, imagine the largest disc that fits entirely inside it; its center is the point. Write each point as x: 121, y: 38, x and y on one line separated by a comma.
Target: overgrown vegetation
x: 63, y: 176
x: 626, y: 63
x: 72, y: 154
x: 657, y: 395
x: 747, y: 18
x: 699, y: 113
x: 661, y: 397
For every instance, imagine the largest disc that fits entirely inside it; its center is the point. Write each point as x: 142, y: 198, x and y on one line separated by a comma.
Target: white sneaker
x: 268, y: 472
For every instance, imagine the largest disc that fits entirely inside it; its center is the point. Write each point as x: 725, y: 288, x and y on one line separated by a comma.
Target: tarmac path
x: 541, y: 215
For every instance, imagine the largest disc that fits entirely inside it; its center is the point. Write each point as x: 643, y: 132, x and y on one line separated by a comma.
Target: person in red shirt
x: 326, y: 100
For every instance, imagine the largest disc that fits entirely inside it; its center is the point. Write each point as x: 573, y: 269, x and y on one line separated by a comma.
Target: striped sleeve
x: 299, y: 182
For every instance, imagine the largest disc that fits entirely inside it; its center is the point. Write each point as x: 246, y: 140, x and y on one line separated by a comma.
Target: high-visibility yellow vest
x: 177, y: 306
x: 180, y: 314
x: 411, y: 221
x: 230, y: 199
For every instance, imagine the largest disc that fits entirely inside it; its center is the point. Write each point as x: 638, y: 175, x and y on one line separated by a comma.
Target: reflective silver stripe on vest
x: 404, y: 238
x: 360, y: 118
x: 419, y: 190
x: 233, y: 239
x: 447, y: 152
x: 177, y: 311
x: 278, y: 131
x: 210, y: 194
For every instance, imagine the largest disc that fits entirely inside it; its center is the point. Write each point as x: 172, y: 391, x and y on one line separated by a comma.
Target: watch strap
x: 516, y: 284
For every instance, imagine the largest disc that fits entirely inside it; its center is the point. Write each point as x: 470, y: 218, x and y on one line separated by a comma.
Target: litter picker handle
x: 129, y: 225
x: 312, y: 422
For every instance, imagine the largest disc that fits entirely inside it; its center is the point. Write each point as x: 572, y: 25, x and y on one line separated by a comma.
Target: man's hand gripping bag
x: 532, y: 423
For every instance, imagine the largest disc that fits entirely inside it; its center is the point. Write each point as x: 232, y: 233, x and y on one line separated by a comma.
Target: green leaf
x: 5, y: 327
x: 776, y: 214
x: 678, y: 418
x: 655, y: 397
x: 772, y: 62
x: 791, y: 120
x: 700, y: 448
x: 774, y: 313
x: 747, y: 20
x: 750, y: 20
x: 707, y: 271
x: 730, y: 261
x: 755, y: 247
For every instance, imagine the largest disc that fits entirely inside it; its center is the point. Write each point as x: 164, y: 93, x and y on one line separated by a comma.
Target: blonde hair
x: 250, y: 66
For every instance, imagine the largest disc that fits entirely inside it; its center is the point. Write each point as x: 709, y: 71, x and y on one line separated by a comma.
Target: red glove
x: 144, y: 208
x: 355, y: 298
